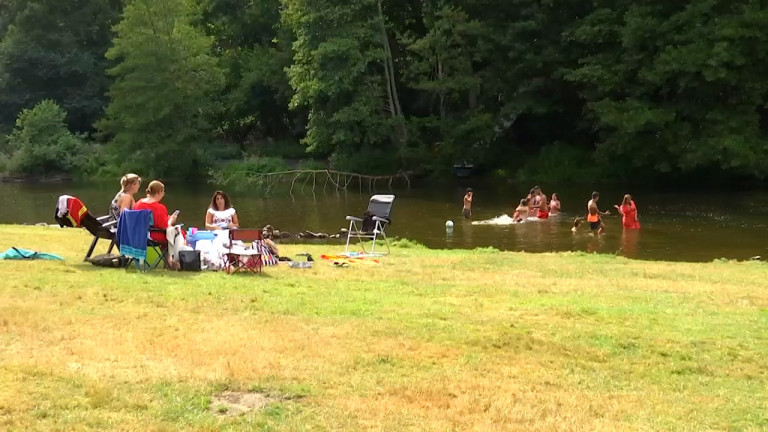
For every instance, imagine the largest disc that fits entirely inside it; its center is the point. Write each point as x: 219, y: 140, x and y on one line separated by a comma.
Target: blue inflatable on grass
x: 24, y: 254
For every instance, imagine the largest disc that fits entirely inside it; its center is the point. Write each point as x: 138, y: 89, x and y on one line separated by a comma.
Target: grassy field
x: 427, y: 340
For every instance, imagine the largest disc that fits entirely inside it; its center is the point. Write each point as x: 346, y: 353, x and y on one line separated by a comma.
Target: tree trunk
x: 389, y: 70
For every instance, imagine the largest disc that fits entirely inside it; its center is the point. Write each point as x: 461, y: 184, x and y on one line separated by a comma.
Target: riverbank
x: 426, y: 340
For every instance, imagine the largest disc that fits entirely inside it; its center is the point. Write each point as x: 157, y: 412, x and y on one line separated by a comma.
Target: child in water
x: 521, y: 212
x: 576, y: 223
x: 467, y: 209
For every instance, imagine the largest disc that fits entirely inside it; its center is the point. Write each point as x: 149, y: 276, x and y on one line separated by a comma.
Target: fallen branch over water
x: 339, y: 180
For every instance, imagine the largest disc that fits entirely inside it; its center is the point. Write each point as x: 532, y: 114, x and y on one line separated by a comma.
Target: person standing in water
x: 593, y: 215
x: 543, y: 208
x: 554, y: 205
x: 628, y: 212
x: 467, y: 209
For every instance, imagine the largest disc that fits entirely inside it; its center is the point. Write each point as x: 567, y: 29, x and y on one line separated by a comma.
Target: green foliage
x: 258, y: 165
x: 41, y: 144
x: 625, y: 89
x: 676, y: 86
x: 312, y: 164
x: 240, y: 173
x: 255, y: 50
x: 560, y: 163
x: 52, y: 49
x: 164, y: 94
x: 404, y: 243
x: 337, y: 73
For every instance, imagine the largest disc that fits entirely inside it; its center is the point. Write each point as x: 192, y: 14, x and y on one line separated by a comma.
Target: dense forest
x: 611, y: 89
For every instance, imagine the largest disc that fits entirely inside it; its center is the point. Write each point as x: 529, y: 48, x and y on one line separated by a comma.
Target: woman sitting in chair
x: 173, y: 236
x: 221, y: 214
x: 129, y: 185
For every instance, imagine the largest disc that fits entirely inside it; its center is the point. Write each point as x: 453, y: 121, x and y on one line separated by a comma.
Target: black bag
x: 190, y: 260
x: 108, y: 260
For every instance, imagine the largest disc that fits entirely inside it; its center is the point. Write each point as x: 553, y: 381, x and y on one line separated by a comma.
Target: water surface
x: 676, y: 226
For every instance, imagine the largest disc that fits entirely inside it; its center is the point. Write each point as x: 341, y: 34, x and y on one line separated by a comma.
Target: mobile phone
x: 176, y: 213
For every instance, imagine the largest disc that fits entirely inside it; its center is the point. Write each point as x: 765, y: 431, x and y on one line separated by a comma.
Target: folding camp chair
x: 70, y: 212
x: 134, y: 227
x: 372, y: 225
x: 240, y: 257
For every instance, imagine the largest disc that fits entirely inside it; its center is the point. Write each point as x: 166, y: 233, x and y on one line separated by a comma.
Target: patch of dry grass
x: 428, y: 340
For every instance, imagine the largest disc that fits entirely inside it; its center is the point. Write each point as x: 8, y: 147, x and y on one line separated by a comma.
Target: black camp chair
x: 373, y: 223
x: 100, y: 227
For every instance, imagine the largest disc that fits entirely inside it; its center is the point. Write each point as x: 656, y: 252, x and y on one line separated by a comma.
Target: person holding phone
x: 221, y: 214
x: 173, y: 235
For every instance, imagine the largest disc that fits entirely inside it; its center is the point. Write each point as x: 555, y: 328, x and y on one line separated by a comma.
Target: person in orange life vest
x: 593, y: 215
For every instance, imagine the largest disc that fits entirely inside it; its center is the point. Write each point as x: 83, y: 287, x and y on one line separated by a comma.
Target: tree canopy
x: 609, y: 88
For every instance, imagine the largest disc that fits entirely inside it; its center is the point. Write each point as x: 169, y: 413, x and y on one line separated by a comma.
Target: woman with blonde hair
x: 123, y: 200
x: 173, y: 235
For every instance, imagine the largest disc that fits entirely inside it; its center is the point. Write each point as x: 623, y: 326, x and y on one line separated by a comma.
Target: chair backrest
x: 381, y: 205
x: 245, y: 235
x: 92, y: 224
x: 70, y: 211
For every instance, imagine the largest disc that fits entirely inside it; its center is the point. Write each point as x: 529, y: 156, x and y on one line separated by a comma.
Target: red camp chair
x: 243, y: 258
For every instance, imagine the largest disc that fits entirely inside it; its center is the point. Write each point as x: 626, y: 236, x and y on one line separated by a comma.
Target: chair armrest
x: 102, y: 218
x: 352, y: 218
x: 109, y: 224
x: 376, y: 218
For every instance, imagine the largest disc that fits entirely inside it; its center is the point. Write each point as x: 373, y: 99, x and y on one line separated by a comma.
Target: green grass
x: 427, y: 340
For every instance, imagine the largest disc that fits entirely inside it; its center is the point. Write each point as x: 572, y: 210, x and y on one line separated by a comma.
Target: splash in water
x: 502, y: 220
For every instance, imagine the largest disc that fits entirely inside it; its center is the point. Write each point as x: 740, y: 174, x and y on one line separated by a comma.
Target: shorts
x: 543, y: 214
x: 466, y: 212
x: 594, y: 226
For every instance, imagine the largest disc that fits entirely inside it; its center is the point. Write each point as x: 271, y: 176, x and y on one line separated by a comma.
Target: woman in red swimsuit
x: 628, y: 212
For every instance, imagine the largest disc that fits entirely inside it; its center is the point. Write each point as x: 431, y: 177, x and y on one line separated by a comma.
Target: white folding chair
x: 378, y: 218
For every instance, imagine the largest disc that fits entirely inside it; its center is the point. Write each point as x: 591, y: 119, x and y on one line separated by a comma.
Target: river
x: 676, y: 226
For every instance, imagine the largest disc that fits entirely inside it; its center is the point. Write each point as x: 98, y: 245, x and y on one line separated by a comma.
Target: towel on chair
x: 132, y: 230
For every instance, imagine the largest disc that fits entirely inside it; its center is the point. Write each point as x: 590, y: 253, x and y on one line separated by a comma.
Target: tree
x: 55, y: 50
x: 165, y: 88
x: 442, y: 65
x: 41, y: 144
x: 676, y: 87
x: 255, y: 51
x: 343, y: 73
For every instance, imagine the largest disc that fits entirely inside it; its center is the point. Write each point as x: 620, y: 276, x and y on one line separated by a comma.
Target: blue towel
x: 132, y: 232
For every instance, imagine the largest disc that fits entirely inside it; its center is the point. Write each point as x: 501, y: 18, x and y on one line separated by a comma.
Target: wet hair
x: 129, y: 179
x: 533, y: 191
x: 627, y: 199
x: 554, y: 196
x: 595, y: 195
x: 524, y: 202
x: 155, y: 187
x: 227, y: 203
x: 576, y: 222
x: 469, y: 190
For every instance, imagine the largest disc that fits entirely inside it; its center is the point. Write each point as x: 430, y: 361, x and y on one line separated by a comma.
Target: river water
x: 676, y: 226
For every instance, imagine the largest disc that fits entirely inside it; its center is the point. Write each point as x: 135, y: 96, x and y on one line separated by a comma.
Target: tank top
x: 114, y: 206
x: 222, y: 217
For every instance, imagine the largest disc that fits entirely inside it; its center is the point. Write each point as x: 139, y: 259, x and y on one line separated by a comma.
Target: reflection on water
x: 709, y: 226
